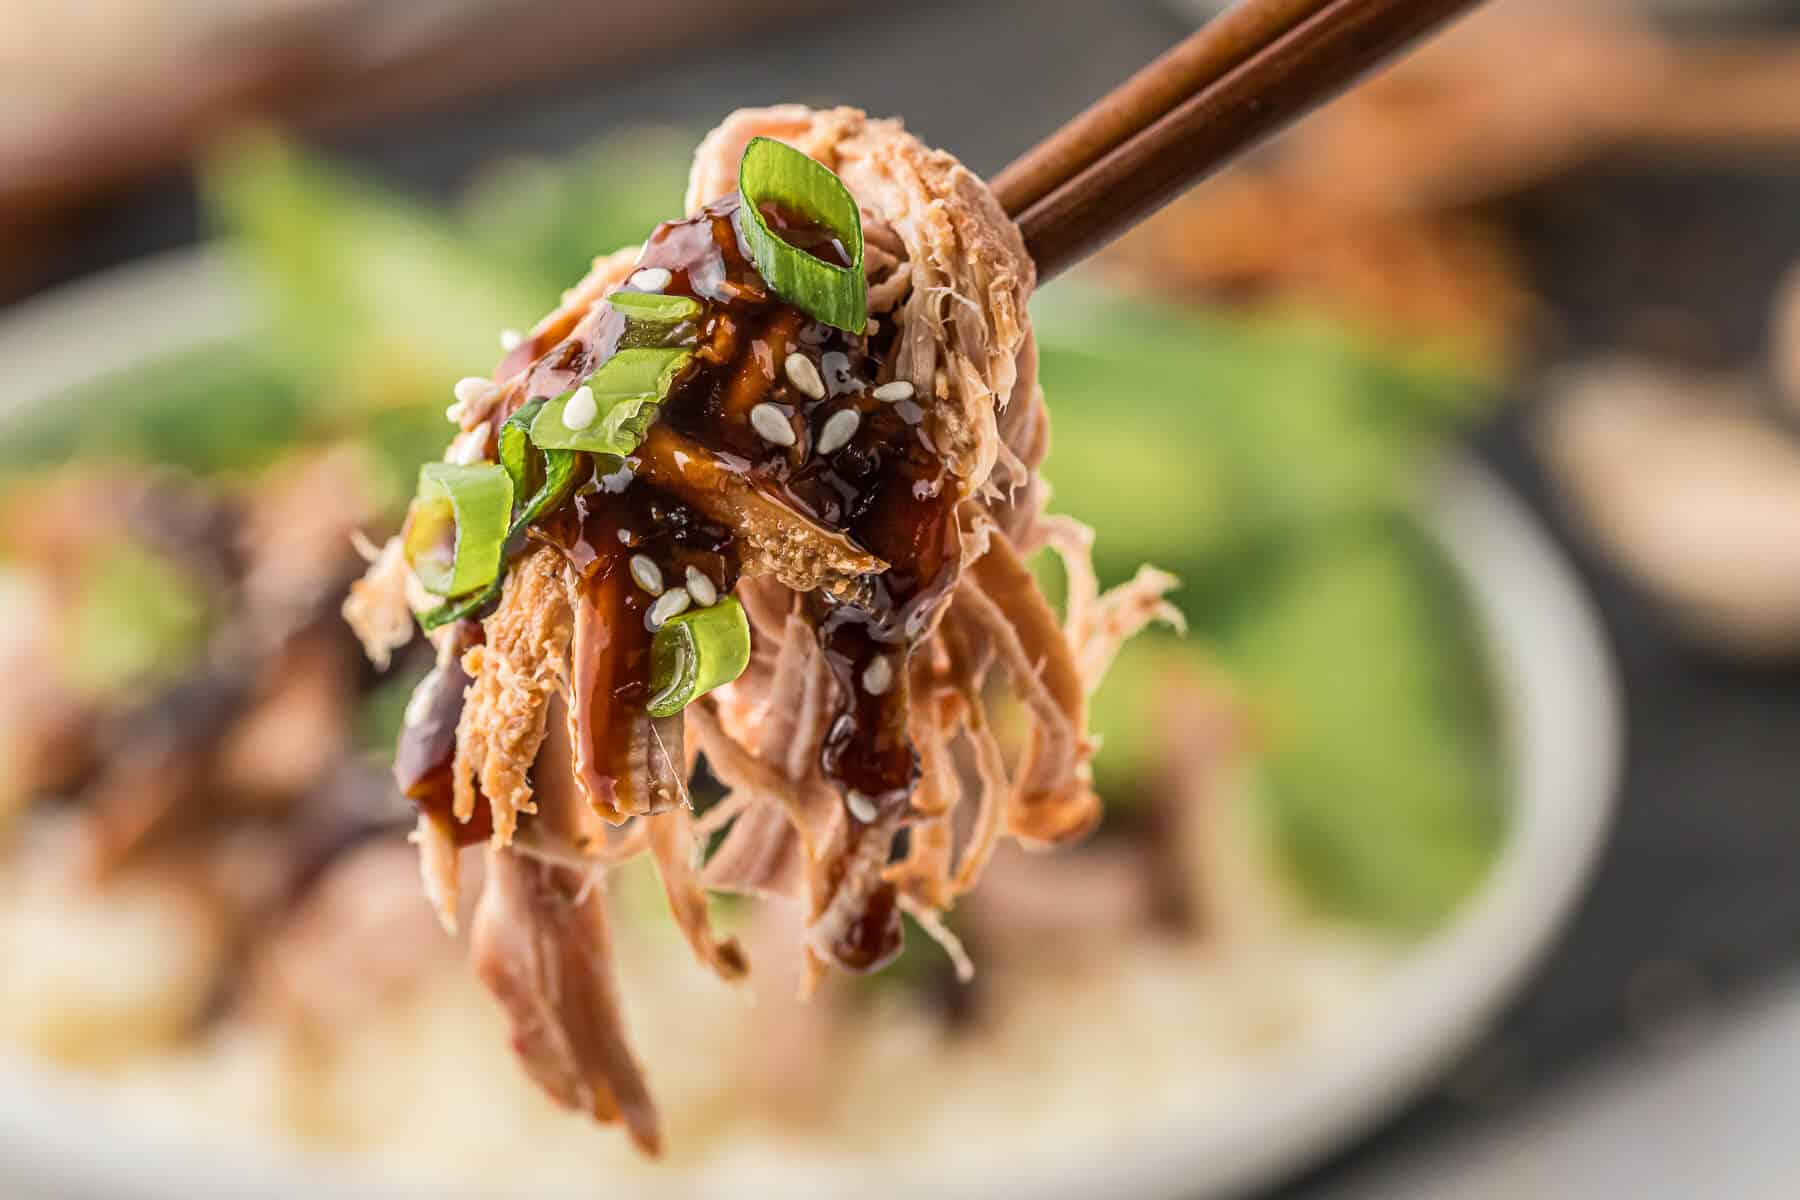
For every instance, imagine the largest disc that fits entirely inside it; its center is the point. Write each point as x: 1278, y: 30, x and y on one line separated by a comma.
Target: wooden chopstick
x: 1083, y: 205
x: 1197, y: 61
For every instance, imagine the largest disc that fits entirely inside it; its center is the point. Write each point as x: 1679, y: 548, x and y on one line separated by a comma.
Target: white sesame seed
x: 646, y: 574
x: 511, y: 339
x: 472, y: 389
x: 701, y: 587
x: 838, y: 431
x: 899, y: 389
x: 469, y: 447
x: 668, y: 606
x: 771, y: 423
x: 581, y: 409
x: 650, y: 279
x: 910, y: 412
x: 419, y: 707
x: 804, y: 375
x: 878, y: 676
x: 861, y: 807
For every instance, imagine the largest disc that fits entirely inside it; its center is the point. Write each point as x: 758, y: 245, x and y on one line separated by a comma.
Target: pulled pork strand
x: 881, y: 573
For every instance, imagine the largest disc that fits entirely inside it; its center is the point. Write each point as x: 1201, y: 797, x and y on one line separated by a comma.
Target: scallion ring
x: 696, y: 652
x: 774, y: 174
x: 622, y: 397
x: 652, y: 306
x: 525, y: 467
x: 458, y: 525
x: 558, y: 473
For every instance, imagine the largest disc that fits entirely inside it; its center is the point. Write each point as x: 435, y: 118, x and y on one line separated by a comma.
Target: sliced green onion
x: 696, y: 652
x: 457, y: 610
x: 653, y: 306
x: 773, y: 173
x: 626, y: 389
x: 559, y: 481
x: 558, y: 472
x: 659, y: 335
x: 524, y: 467
x: 458, y: 526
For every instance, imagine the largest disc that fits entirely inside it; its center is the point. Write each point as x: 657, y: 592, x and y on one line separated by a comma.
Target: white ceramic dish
x: 1562, y: 729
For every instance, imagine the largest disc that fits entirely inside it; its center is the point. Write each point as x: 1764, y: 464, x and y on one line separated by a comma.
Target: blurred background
x: 1537, y: 286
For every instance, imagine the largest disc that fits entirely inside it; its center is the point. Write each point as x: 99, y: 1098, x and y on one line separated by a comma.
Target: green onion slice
x: 654, y: 306
x: 559, y: 481
x: 457, y: 610
x: 696, y: 652
x: 458, y: 526
x: 777, y: 174
x: 626, y: 389
x: 525, y: 468
x: 557, y: 471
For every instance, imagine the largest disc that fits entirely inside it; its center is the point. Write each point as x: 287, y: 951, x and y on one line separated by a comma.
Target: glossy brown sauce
x: 804, y: 234
x: 885, y: 488
x: 612, y: 520
x: 873, y: 939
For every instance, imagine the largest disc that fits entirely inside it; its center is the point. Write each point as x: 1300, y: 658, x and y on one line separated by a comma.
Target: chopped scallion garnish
x: 458, y: 525
x: 786, y: 180
x: 621, y: 399
x: 554, y: 473
x: 525, y: 468
x: 651, y: 306
x: 696, y: 652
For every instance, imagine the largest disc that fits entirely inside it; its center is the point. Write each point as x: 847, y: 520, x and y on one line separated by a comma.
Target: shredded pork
x: 515, y: 672
x: 949, y: 272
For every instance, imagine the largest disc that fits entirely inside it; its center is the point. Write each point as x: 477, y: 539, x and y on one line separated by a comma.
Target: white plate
x: 1561, y: 727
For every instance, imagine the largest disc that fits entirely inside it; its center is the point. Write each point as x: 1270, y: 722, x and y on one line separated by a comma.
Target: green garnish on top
x: 781, y: 177
x: 458, y: 526
x: 696, y: 652
x: 654, y: 306
x: 547, y: 477
x: 610, y: 411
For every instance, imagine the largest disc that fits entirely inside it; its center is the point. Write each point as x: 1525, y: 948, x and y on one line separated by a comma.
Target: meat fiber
x: 949, y: 281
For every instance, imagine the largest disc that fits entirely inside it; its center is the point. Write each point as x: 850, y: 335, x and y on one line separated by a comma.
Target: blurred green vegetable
x: 138, y: 619
x: 375, y: 305
x: 351, y: 272
x: 1383, y: 774
x: 221, y: 407
x: 1230, y: 430
x: 1272, y: 465
x: 551, y: 217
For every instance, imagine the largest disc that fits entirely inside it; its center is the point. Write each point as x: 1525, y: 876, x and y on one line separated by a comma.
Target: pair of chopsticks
x: 1260, y: 65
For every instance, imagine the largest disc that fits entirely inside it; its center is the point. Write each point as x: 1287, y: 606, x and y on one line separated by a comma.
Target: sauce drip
x: 623, y: 535
x: 883, y: 485
x: 789, y: 403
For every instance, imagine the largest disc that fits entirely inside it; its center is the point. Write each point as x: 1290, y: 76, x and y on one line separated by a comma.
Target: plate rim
x: 1544, y: 641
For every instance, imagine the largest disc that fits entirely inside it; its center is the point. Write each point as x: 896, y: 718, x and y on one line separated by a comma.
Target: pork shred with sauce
x: 883, y: 578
